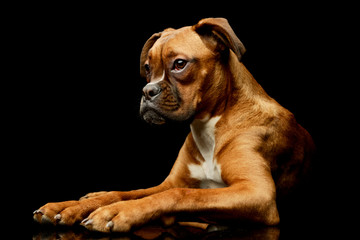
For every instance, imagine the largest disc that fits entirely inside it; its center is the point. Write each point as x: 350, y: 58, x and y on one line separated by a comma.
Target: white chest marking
x: 208, y: 171
x: 203, y: 132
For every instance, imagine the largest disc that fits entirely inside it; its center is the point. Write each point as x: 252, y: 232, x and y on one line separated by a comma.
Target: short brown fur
x: 260, y: 147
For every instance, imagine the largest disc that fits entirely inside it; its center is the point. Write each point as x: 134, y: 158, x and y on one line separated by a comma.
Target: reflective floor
x: 181, y: 232
x: 155, y: 232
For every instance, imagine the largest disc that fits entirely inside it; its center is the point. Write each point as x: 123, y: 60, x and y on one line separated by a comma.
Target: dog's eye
x: 147, y: 68
x: 179, y: 64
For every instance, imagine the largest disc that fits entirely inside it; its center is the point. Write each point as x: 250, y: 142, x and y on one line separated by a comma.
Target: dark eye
x: 179, y: 64
x: 147, y: 68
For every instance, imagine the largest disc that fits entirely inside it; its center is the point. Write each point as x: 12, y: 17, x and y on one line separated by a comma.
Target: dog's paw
x: 58, y: 212
x: 117, y: 217
x: 71, y: 212
x: 66, y: 213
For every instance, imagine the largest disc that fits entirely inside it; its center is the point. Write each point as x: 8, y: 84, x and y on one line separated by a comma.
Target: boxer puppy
x: 243, y: 150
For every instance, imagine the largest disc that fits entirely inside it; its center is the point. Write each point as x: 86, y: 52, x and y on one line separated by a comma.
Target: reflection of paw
x: 59, y: 235
x: 116, y: 217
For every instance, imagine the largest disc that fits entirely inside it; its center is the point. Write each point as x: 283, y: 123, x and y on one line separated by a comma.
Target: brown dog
x: 243, y: 148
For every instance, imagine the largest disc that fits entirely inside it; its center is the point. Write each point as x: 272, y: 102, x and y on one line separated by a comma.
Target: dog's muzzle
x: 151, y: 91
x: 148, y: 106
x: 161, y: 103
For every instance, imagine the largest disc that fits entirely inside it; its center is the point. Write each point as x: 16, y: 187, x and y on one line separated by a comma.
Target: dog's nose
x: 151, y: 90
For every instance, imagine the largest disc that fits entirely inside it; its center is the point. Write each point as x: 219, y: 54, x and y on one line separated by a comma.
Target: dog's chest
x: 208, y: 171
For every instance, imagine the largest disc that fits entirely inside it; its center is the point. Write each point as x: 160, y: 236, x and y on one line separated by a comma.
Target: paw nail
x: 110, y: 224
x: 38, y: 211
x: 88, y: 222
x: 57, y: 217
x: 83, y: 221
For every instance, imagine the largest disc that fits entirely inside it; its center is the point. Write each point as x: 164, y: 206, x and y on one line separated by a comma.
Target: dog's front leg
x: 234, y: 202
x: 71, y: 212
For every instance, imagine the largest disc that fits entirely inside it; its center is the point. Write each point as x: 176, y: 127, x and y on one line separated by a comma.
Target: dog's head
x: 183, y: 67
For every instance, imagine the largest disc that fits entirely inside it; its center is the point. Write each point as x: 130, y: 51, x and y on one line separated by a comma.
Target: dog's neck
x: 237, y: 88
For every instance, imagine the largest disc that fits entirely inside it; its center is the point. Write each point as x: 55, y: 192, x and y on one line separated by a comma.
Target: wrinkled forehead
x: 182, y: 41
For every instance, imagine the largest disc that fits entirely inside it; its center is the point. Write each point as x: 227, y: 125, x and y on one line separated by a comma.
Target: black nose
x: 151, y: 90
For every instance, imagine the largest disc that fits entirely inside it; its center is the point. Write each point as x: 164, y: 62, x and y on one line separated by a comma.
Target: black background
x: 75, y: 92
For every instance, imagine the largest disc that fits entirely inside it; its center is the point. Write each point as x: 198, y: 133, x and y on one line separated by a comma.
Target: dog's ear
x: 144, y: 52
x: 221, y: 30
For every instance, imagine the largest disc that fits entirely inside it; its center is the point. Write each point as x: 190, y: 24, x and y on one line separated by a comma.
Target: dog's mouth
x: 150, y: 112
x: 155, y: 115
x: 152, y: 116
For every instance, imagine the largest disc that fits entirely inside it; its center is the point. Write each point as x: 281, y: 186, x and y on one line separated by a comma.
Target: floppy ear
x: 220, y: 28
x: 144, y: 52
